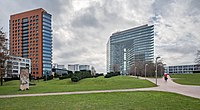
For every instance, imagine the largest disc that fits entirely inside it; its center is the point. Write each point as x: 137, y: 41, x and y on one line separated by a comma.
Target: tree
x: 3, y: 54
x: 138, y: 68
x: 197, y: 59
x: 150, y: 72
x: 115, y: 68
x: 160, y: 68
x: 132, y: 70
x: 93, y: 71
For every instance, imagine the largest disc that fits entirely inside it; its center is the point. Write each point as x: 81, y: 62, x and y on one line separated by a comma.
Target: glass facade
x: 126, y: 47
x: 25, y: 37
x: 46, y: 43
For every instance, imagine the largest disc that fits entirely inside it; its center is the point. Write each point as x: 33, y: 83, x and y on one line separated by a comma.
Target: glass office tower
x: 46, y: 43
x: 126, y: 47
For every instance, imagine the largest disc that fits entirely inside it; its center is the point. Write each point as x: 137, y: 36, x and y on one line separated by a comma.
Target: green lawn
x: 149, y: 100
x: 56, y: 85
x: 187, y: 79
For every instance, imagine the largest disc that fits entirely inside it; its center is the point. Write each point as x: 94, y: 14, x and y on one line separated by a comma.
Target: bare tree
x: 115, y: 68
x: 160, y: 68
x: 93, y: 71
x: 139, y: 69
x: 150, y: 69
x: 3, y: 54
x: 132, y: 70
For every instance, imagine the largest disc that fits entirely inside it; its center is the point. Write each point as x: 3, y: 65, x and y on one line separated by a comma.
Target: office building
x: 125, y: 48
x: 14, y: 65
x: 73, y: 68
x: 31, y: 37
x: 183, y: 69
x: 77, y: 67
x: 55, y: 65
x: 84, y: 67
x: 59, y: 70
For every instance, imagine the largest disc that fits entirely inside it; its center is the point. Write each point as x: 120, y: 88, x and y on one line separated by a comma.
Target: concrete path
x: 169, y: 86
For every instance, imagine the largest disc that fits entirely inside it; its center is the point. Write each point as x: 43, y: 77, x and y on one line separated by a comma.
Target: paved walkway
x: 169, y: 86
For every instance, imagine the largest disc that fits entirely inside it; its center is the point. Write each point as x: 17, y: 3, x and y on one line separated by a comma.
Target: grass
x: 148, y: 100
x: 56, y: 85
x: 187, y: 79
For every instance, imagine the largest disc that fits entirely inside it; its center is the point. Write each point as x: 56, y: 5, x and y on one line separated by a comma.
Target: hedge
x: 64, y: 76
x: 111, y: 74
x: 78, y: 75
x: 97, y: 75
x: 49, y: 77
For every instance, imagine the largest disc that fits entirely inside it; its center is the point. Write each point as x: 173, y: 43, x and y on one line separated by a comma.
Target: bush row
x: 97, y: 75
x: 111, y: 74
x: 49, y: 77
x: 78, y: 75
x: 64, y: 76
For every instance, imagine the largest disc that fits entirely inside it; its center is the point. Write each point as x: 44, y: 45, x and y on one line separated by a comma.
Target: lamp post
x: 145, y: 70
x: 156, y: 69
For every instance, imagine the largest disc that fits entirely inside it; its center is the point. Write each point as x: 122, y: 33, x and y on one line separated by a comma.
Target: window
x: 24, y: 20
x: 15, y: 71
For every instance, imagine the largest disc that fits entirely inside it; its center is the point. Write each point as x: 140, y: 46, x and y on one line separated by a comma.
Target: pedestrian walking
x: 165, y: 76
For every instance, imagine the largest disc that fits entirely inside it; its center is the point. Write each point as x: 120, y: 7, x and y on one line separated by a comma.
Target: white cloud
x: 81, y: 28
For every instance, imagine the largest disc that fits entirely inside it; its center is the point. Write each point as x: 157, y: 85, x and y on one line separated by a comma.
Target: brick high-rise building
x: 31, y: 37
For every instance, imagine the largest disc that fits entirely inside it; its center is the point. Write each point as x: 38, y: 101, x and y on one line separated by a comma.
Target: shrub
x: 111, y: 74
x: 49, y: 77
x: 81, y: 75
x: 65, y: 76
x: 97, y: 75
x: 56, y: 75
x: 74, y: 79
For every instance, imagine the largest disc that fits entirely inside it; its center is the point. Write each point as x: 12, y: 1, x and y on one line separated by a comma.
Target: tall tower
x: 31, y: 37
x: 128, y: 47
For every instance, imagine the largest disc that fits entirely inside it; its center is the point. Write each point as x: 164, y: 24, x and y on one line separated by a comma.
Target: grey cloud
x: 85, y: 20
x: 81, y: 37
x: 160, y: 7
x: 194, y: 7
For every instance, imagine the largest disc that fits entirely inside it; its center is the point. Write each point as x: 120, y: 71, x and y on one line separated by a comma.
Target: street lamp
x: 156, y: 69
x: 145, y: 70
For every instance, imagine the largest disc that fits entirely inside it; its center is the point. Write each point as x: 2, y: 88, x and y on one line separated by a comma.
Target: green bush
x: 81, y: 75
x: 65, y: 76
x: 56, y: 75
x: 49, y: 77
x: 97, y: 75
x: 74, y: 79
x: 111, y: 74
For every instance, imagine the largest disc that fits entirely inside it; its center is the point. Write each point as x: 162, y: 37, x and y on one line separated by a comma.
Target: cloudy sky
x: 81, y: 28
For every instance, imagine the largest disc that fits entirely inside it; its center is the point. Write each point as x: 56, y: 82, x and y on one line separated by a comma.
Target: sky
x: 81, y: 28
